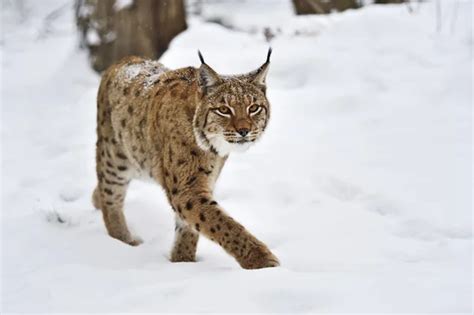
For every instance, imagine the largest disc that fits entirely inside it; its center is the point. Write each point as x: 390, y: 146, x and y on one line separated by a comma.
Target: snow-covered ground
x: 361, y: 185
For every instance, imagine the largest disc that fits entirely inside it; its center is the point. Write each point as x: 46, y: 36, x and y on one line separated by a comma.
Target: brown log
x: 145, y: 28
x: 322, y: 6
x: 389, y: 1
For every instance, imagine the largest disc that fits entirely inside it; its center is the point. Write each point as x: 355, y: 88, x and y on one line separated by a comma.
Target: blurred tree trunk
x: 389, y: 1
x: 323, y: 6
x: 113, y: 29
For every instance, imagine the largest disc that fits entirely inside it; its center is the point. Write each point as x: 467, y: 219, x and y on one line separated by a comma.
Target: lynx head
x: 232, y: 110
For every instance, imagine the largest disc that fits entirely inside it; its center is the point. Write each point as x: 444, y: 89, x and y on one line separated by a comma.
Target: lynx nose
x: 243, y: 131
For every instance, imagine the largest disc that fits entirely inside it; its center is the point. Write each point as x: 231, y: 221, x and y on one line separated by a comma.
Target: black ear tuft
x: 201, y: 57
x: 269, y: 54
x: 258, y: 76
x: 208, y: 78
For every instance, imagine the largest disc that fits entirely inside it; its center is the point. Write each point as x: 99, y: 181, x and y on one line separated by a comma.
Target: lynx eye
x: 254, y: 108
x: 223, y: 110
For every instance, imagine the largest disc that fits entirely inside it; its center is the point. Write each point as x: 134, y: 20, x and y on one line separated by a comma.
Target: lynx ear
x: 258, y: 76
x: 207, y: 76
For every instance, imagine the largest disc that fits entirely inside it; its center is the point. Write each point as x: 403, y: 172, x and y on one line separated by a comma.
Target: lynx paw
x: 134, y: 241
x: 128, y: 239
x: 259, y: 257
x: 182, y: 258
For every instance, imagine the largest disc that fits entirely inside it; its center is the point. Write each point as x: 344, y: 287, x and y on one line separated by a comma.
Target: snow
x: 92, y: 37
x: 110, y: 37
x: 361, y: 185
x: 85, y: 10
x: 152, y: 69
x: 122, y: 4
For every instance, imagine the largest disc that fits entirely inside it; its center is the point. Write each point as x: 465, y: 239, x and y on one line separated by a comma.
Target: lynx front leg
x: 185, y: 244
x: 207, y: 217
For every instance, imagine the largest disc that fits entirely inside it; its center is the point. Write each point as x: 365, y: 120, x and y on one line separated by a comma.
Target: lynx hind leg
x: 111, y: 192
x: 185, y: 243
x: 112, y: 211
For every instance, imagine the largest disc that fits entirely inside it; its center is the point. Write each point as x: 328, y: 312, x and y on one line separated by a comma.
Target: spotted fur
x: 178, y: 127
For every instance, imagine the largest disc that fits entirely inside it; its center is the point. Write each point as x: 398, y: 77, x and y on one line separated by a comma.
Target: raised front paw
x: 134, y: 241
x: 127, y: 238
x: 259, y: 257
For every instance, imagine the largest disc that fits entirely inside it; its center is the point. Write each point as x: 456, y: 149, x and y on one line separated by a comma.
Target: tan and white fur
x: 178, y: 128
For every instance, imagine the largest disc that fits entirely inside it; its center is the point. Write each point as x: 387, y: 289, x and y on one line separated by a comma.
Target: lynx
x: 178, y: 127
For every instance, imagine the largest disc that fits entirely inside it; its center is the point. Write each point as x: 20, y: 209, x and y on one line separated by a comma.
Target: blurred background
x: 362, y: 184
x: 113, y: 29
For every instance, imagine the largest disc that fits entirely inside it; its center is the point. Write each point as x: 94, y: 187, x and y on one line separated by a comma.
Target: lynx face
x: 233, y: 111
